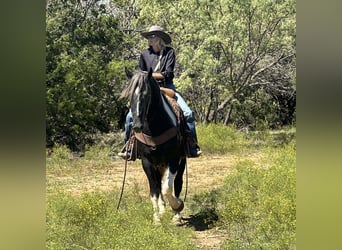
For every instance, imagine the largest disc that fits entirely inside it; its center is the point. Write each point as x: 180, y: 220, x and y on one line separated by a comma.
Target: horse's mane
x: 137, y: 79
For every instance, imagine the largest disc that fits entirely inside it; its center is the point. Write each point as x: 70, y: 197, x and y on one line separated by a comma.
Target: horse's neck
x: 158, y: 120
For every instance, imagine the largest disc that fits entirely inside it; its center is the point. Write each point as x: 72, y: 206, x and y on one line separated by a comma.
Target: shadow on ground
x: 201, y: 221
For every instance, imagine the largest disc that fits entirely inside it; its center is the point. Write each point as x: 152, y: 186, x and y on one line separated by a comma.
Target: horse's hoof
x: 180, y: 207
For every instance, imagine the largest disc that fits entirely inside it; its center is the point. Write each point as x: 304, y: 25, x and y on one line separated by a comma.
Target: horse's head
x: 140, y: 98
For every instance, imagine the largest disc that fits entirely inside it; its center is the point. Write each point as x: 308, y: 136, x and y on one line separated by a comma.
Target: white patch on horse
x: 167, y: 190
x: 161, y: 205
x: 167, y: 182
x: 154, y: 200
x: 136, y: 92
x: 138, y: 111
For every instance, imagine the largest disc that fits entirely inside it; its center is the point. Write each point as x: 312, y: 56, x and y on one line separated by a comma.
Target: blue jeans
x: 128, y: 126
x: 187, y: 112
x: 189, y: 115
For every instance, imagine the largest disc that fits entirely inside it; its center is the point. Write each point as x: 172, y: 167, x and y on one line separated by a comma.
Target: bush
x: 100, y: 155
x: 60, y: 156
x: 218, y: 139
x: 259, y: 204
x: 273, y: 138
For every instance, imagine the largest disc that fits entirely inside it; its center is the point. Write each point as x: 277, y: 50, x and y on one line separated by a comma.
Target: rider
x: 161, y: 59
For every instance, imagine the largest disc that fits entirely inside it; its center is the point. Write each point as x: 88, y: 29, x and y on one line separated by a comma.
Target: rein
x: 186, y: 181
x: 123, y: 184
x: 123, y: 181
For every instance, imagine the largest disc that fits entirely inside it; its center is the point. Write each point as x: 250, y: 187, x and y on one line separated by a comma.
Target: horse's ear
x: 150, y: 73
x: 129, y: 74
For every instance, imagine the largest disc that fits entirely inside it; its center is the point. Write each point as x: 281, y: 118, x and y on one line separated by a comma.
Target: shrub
x: 98, y: 155
x: 60, y: 152
x: 258, y: 204
x: 59, y: 157
x: 217, y: 139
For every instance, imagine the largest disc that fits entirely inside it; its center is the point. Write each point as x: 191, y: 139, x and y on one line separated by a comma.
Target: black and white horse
x: 159, y: 143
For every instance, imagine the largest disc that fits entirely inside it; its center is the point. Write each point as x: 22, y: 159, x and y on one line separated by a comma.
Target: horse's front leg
x: 158, y: 205
x: 154, y: 179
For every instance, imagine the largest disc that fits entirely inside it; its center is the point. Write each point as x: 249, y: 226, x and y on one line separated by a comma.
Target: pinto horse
x: 159, y: 143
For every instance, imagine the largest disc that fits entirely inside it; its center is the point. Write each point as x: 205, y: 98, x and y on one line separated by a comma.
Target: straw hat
x: 159, y: 32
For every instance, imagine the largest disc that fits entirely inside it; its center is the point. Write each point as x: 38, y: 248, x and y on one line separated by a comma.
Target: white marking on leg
x: 154, y: 200
x: 167, y: 188
x: 167, y: 183
x: 161, y: 205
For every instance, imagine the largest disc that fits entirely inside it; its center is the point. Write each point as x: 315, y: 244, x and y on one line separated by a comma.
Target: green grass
x: 254, y: 205
x: 219, y: 139
x: 91, y: 221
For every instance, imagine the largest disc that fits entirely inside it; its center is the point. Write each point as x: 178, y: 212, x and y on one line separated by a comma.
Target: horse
x: 159, y: 143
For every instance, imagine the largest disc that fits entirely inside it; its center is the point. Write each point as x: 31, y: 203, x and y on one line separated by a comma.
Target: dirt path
x: 204, y: 173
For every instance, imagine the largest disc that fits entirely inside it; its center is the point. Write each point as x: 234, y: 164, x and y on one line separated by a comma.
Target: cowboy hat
x: 159, y: 32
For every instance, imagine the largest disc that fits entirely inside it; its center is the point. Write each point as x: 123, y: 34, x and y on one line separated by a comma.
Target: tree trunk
x: 207, y: 115
x: 227, y: 120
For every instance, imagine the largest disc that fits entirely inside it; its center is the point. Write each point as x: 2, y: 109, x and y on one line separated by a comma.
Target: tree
x: 229, y: 49
x: 84, y: 68
x: 235, y: 61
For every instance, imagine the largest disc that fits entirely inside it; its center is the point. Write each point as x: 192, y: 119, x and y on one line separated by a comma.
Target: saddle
x: 183, y: 131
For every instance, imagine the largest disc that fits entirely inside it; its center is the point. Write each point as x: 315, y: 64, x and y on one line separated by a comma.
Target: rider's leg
x: 190, y: 120
x: 128, y: 127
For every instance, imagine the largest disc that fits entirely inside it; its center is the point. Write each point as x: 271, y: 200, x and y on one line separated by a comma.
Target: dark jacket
x: 149, y: 59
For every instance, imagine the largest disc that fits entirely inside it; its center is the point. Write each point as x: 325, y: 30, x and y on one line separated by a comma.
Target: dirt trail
x: 204, y: 173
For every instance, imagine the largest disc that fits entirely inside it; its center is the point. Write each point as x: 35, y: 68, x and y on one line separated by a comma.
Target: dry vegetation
x: 204, y: 173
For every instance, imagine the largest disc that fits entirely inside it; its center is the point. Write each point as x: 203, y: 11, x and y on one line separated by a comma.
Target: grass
x: 91, y: 221
x: 244, y: 185
x: 259, y: 203
x: 219, y: 139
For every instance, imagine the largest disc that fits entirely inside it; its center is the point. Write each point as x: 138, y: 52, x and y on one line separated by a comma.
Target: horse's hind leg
x: 178, y: 184
x: 179, y: 178
x: 167, y: 188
